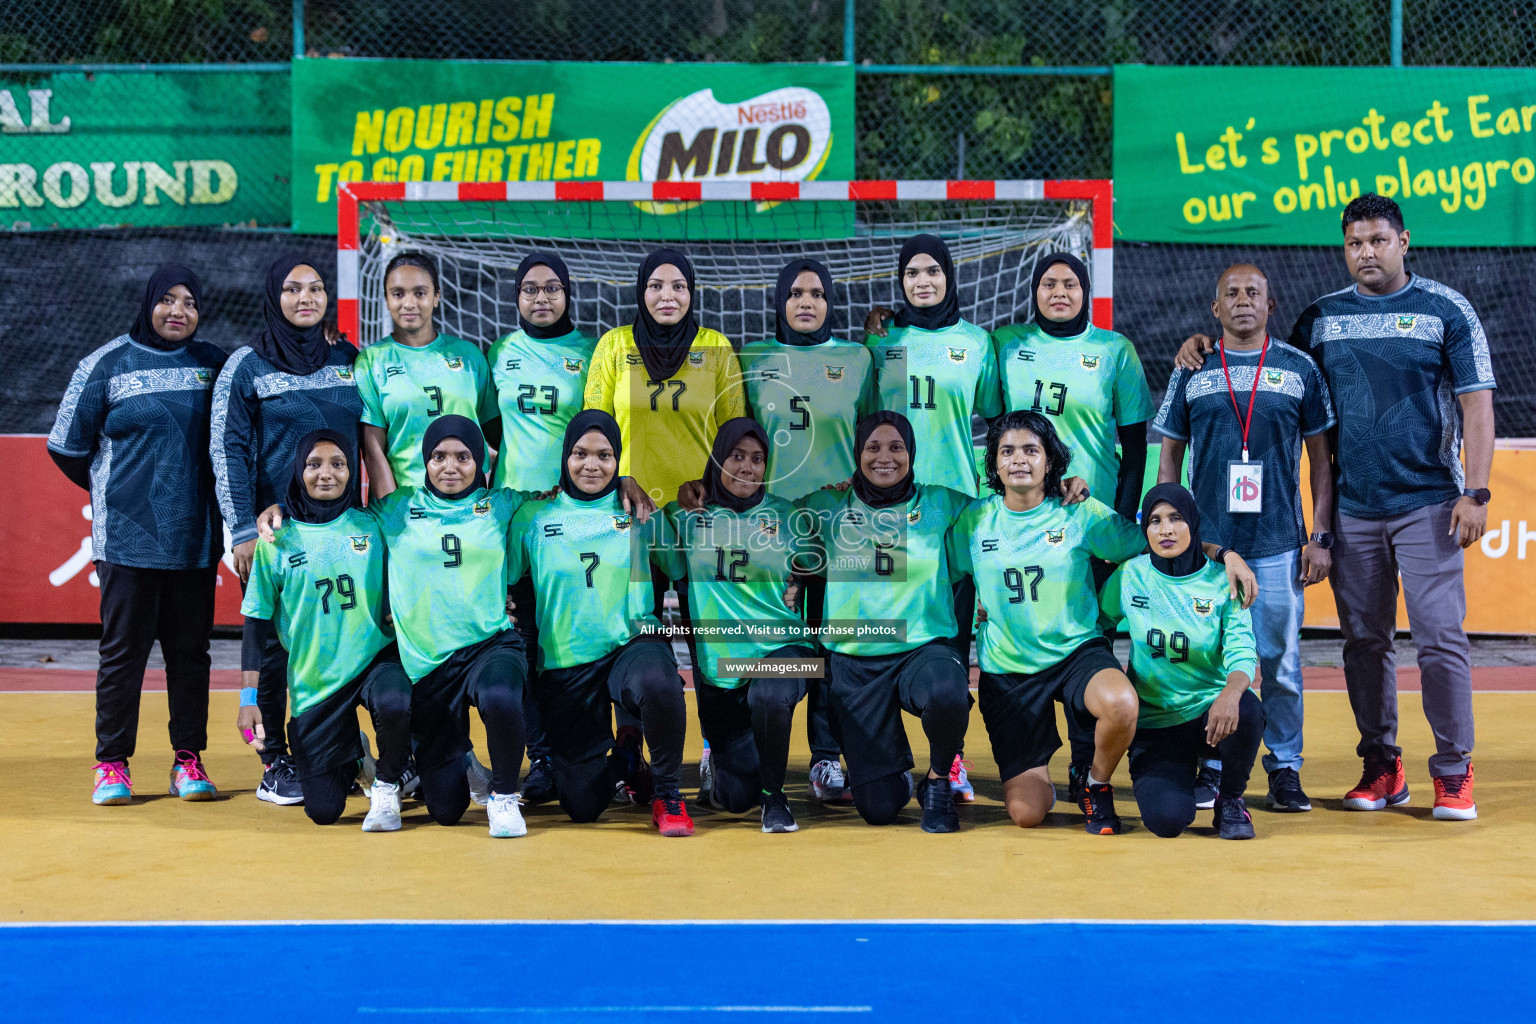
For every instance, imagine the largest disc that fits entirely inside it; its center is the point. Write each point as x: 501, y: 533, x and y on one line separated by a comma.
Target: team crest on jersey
x: 1275, y: 377
x: 622, y: 523
x: 359, y: 544
x: 1202, y: 607
x: 483, y: 507
x: 957, y: 355
x: 1055, y: 537
x: 454, y: 362
x: 769, y: 527
x: 1405, y: 323
x: 695, y: 358
x: 1089, y: 362
x: 344, y: 373
x: 834, y: 372
x: 573, y: 365
x: 914, y: 517
x: 203, y: 376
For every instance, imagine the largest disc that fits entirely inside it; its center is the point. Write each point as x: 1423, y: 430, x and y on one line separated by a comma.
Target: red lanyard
x: 1252, y: 395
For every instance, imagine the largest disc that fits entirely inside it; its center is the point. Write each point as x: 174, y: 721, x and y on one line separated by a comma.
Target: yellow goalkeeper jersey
x: 667, y: 426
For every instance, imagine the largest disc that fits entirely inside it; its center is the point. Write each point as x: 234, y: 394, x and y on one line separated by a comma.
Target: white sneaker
x: 383, y: 807
x: 828, y: 783
x: 368, y: 767
x: 506, y: 816
x: 479, y: 777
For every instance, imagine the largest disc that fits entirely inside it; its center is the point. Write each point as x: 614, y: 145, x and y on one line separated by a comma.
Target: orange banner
x: 1501, y: 568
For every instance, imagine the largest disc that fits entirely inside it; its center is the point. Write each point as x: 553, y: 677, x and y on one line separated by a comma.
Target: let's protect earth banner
x: 366, y: 120
x: 1273, y: 155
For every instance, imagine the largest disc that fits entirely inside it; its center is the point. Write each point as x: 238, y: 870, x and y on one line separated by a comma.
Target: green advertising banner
x: 171, y: 148
x: 1272, y: 155
x: 377, y: 120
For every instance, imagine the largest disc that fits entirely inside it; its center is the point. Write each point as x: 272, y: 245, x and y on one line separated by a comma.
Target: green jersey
x: 1033, y: 576
x: 447, y: 570
x: 886, y: 568
x: 324, y: 584
x: 539, y: 385
x: 1089, y: 385
x: 737, y: 565
x: 403, y: 389
x: 1187, y: 635
x: 938, y: 380
x: 590, y: 563
x: 809, y: 398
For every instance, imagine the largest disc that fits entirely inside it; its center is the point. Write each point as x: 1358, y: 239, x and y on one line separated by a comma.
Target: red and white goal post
x: 478, y: 231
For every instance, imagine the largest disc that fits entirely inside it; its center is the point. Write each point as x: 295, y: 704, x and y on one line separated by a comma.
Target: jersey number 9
x: 453, y: 550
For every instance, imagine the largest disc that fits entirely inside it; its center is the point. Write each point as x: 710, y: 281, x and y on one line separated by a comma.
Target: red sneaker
x: 1453, y: 797
x: 1381, y: 785
x: 670, y: 815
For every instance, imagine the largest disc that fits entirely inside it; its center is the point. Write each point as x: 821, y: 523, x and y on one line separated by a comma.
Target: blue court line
x: 933, y: 971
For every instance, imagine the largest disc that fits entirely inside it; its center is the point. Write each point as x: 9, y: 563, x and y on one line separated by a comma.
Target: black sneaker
x: 280, y: 783
x: 1285, y: 792
x: 1077, y: 774
x: 1232, y: 819
x: 1098, y: 806
x: 776, y: 813
x: 938, y: 800
x: 410, y: 779
x: 1207, y: 785
x: 539, y: 783
x: 634, y: 769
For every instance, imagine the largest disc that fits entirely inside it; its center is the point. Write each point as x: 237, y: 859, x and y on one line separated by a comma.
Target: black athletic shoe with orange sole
x: 1098, y: 806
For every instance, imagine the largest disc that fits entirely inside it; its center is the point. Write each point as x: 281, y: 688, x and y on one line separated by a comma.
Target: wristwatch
x: 1481, y: 495
x: 1323, y: 539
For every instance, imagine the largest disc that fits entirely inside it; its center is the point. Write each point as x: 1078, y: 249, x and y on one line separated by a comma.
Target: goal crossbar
x: 1097, y: 193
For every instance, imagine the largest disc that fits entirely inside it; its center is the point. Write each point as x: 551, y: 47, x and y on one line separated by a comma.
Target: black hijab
x: 1062, y: 328
x: 563, y: 326
x: 782, y: 330
x: 299, y: 505
x: 730, y: 434
x: 583, y: 422
x: 664, y: 346
x: 166, y: 277
x: 869, y: 494
x: 299, y: 351
x: 463, y: 428
x: 1193, y: 558
x: 929, y: 318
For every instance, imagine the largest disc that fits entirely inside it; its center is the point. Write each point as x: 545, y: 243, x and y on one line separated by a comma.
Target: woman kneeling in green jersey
x: 738, y: 553
x: 321, y: 577
x: 1192, y: 660
x: 599, y: 642
x: 890, y: 625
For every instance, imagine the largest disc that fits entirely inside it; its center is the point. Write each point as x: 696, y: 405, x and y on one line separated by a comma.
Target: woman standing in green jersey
x: 890, y: 624
x: 738, y: 553
x: 600, y: 643
x: 1090, y: 383
x: 1193, y: 660
x: 321, y: 578
x: 414, y: 376
x: 540, y: 374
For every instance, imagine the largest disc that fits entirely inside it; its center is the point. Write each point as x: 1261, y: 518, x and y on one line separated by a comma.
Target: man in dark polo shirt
x: 1244, y: 418
x: 1407, y: 362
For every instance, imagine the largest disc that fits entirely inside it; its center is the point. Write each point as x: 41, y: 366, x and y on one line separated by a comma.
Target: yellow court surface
x: 239, y: 859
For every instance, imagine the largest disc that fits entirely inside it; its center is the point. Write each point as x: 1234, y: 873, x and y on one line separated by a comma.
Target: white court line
x: 736, y: 922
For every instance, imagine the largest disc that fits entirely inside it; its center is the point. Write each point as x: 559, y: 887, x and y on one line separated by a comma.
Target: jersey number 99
x: 1174, y: 647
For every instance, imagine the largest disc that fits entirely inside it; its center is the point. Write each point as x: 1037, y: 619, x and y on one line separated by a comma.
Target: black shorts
x: 725, y: 717
x: 576, y: 702
x: 440, y: 701
x: 325, y: 737
x: 868, y: 695
x: 1017, y: 707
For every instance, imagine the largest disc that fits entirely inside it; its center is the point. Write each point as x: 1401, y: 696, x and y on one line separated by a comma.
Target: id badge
x: 1245, y: 486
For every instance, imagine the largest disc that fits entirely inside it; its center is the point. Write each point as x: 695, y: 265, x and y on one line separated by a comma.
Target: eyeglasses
x: 532, y: 290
